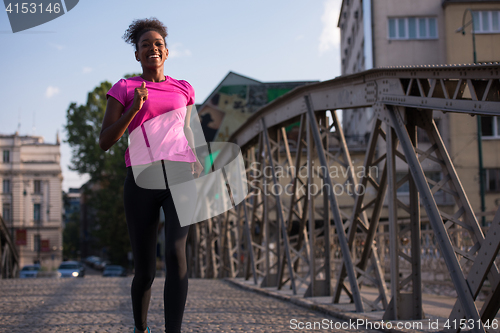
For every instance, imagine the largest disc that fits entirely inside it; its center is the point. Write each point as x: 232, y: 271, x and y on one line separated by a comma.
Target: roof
x: 245, y: 79
x: 228, y: 76
x: 449, y: 2
x: 31, y: 140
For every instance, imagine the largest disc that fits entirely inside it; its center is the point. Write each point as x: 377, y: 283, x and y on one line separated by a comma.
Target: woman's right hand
x: 140, y: 96
x: 115, y: 121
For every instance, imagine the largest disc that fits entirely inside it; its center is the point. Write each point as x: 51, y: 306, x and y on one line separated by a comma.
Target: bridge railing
x: 290, y: 238
x: 9, y: 257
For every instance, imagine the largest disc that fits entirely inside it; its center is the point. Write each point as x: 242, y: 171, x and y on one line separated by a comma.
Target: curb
x: 305, y: 303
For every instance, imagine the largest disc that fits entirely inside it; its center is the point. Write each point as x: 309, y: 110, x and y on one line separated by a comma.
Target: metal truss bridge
x: 332, y: 244
x: 9, y: 257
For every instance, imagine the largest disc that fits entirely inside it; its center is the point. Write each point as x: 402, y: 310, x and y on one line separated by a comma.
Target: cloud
x: 51, y: 91
x: 177, y: 50
x: 330, y: 35
x: 57, y: 46
x: 86, y: 70
x: 299, y: 37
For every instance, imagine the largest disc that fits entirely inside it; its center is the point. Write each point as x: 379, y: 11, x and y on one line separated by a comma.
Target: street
x: 97, y: 304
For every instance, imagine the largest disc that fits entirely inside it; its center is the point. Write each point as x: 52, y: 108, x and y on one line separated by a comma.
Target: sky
x: 46, y: 68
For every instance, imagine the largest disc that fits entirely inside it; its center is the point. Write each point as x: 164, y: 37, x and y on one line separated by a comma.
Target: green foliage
x: 71, y: 237
x: 128, y: 76
x: 83, y: 128
x: 111, y: 232
x: 107, y: 172
x: 71, y: 232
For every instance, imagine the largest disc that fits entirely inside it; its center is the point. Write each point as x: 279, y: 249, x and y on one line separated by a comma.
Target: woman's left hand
x: 196, y: 168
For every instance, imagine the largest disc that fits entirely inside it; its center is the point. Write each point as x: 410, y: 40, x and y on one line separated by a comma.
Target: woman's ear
x: 137, y: 56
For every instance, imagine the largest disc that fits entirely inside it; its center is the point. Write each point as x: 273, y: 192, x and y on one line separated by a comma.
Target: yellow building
x: 463, y: 143
x: 425, y: 32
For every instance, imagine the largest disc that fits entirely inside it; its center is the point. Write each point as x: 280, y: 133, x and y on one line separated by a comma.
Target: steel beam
x: 441, y: 91
x: 415, y: 230
x: 335, y: 212
x: 279, y: 212
x: 249, y: 241
x: 298, y: 204
x: 462, y: 288
x: 358, y: 216
x: 9, y: 257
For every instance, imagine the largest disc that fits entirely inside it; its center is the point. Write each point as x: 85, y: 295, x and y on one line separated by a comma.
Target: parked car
x: 100, y: 265
x: 71, y: 269
x: 114, y: 270
x: 29, y: 271
x: 92, y: 260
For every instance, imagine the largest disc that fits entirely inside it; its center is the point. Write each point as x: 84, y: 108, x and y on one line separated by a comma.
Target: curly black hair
x: 138, y: 27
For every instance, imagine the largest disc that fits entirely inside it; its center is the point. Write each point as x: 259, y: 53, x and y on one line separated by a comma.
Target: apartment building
x: 403, y: 33
x: 31, y: 197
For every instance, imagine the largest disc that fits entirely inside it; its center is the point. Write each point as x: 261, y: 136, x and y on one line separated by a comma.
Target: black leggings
x: 142, y: 207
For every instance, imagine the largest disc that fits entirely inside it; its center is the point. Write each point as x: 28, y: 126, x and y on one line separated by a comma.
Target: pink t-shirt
x: 157, y: 130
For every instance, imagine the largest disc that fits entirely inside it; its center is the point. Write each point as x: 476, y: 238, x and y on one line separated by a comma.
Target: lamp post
x: 478, y: 117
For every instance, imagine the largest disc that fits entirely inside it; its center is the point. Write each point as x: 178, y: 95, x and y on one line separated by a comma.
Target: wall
x: 463, y: 128
x: 352, y: 41
x: 459, y: 47
x: 407, y: 52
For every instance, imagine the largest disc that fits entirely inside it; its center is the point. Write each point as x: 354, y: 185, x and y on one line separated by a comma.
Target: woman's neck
x: 154, y: 76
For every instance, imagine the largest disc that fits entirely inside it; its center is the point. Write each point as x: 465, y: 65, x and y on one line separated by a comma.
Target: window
x: 6, y: 212
x: 486, y: 21
x: 38, y: 186
x: 36, y: 213
x: 490, y: 127
x: 6, y: 156
x: 413, y: 28
x: 492, y: 180
x: 36, y: 243
x: 6, y: 186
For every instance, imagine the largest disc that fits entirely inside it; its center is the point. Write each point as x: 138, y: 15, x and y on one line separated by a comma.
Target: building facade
x: 31, y: 179
x: 406, y: 33
x: 384, y: 34
x: 464, y: 129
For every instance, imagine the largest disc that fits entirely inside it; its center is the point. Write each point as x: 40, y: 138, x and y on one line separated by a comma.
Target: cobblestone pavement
x: 97, y: 304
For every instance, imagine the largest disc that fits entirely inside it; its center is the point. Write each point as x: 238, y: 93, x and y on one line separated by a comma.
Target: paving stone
x: 103, y: 305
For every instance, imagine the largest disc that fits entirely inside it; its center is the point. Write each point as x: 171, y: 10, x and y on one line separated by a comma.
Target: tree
x: 71, y: 232
x: 106, y: 169
x: 71, y: 237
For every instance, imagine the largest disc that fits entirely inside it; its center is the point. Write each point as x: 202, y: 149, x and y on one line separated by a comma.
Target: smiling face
x: 151, y: 50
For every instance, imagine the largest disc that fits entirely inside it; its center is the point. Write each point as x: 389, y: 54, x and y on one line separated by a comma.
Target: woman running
x: 135, y: 104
